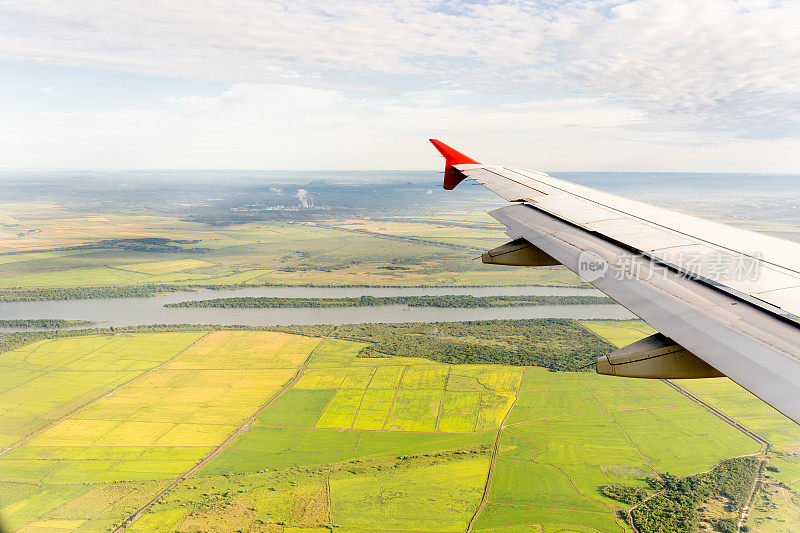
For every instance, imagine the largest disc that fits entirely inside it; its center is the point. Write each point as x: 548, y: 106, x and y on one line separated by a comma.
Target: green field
x: 748, y: 410
x: 563, y: 442
x: 370, y: 501
x: 106, y: 255
x: 354, y: 443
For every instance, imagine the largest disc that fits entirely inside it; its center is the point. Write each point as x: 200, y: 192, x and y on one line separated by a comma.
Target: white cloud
x: 573, y: 84
x: 277, y: 126
x: 718, y: 65
x: 45, y: 90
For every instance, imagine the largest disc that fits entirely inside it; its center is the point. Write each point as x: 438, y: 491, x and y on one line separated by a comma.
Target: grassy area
x: 396, y: 499
x: 748, y: 410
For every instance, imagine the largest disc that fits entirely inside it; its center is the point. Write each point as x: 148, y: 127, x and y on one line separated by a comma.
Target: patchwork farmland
x: 271, y: 431
x: 65, y: 253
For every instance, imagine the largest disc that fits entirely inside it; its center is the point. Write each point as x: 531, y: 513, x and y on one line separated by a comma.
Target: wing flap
x: 739, y: 261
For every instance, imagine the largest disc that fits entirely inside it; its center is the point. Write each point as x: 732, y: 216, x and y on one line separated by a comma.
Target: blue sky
x: 554, y: 85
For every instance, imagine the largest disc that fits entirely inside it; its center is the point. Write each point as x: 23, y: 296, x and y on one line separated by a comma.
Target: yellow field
x: 620, y: 332
x: 202, y: 395
x: 46, y: 380
x: 247, y: 350
x: 406, y: 393
x: 164, y: 421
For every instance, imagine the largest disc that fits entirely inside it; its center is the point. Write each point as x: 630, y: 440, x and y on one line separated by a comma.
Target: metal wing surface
x: 725, y: 300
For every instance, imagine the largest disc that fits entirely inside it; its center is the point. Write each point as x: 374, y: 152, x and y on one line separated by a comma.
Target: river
x: 119, y: 312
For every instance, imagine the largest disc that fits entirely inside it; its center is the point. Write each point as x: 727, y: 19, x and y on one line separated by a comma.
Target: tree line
x: 449, y: 301
x: 43, y: 323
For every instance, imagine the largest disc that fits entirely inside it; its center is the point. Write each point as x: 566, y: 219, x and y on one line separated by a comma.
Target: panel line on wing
x: 661, y: 242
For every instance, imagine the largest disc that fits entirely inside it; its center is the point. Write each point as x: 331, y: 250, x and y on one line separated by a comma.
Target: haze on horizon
x: 641, y: 85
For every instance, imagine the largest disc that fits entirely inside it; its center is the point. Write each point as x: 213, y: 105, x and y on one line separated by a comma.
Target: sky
x: 640, y: 85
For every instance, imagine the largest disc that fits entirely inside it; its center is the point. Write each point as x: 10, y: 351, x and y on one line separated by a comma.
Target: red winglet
x: 452, y: 176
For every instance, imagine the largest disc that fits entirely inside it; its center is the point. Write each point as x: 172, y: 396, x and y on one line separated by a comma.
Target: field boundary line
x: 225, y: 444
x: 363, y: 395
x: 328, y: 498
x: 478, y: 410
x: 764, y: 443
x: 358, y: 409
x: 630, y: 439
x: 394, y: 399
x: 371, y: 378
x: 327, y: 404
x: 104, y: 396
x: 496, y: 528
x: 325, y: 428
x: 551, y: 508
x: 744, y: 514
x: 493, y: 460
x: 444, y: 393
x: 358, y: 442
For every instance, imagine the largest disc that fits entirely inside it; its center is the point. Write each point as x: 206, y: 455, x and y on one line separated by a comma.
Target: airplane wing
x: 726, y: 301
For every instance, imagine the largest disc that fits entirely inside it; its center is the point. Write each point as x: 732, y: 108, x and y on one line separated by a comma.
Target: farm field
x: 67, y: 249
x: 748, y: 410
x: 338, y: 440
x: 46, y: 380
x: 720, y: 393
x: 620, y: 332
x: 118, y: 448
x: 554, y: 454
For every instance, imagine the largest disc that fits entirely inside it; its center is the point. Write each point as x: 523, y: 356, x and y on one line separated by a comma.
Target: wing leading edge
x: 666, y: 268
